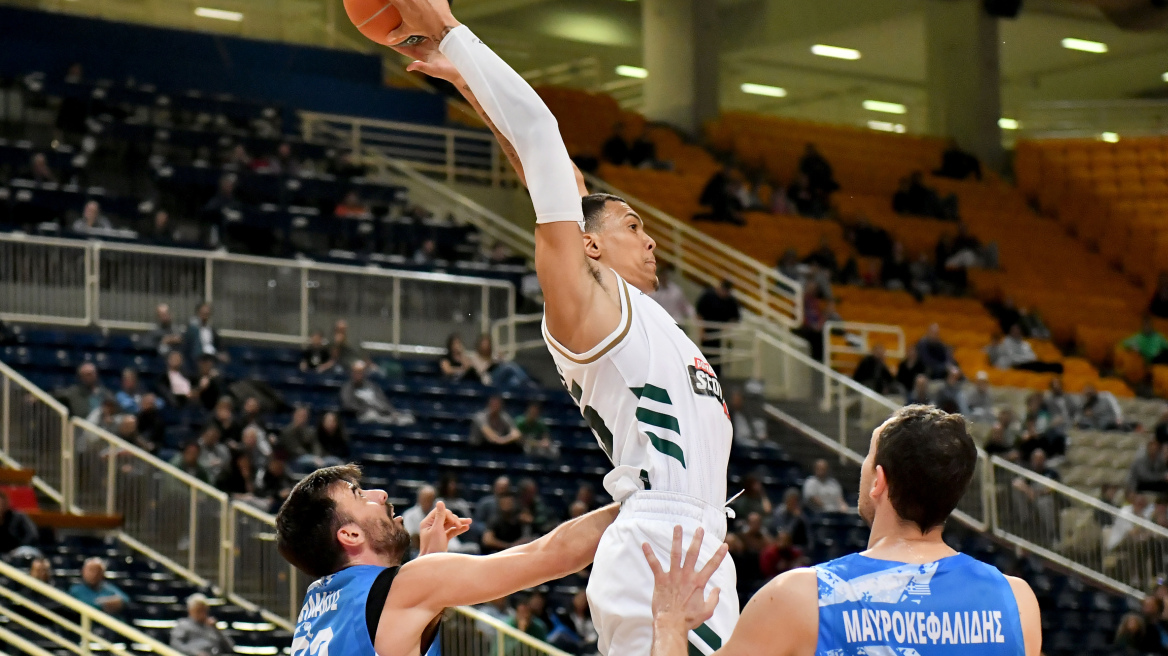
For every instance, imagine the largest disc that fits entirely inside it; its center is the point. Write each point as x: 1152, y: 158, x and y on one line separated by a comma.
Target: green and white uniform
x: 656, y: 409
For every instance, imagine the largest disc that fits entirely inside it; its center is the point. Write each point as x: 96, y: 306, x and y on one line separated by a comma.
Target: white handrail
x: 86, y: 611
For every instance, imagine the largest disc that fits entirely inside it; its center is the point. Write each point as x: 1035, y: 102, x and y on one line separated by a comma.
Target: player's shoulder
x: 793, y: 588
x: 1022, y: 591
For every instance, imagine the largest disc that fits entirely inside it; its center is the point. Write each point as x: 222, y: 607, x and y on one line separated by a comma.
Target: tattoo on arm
x: 508, y: 149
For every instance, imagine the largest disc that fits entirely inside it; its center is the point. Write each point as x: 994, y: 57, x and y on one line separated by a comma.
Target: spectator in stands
x: 1099, y: 410
x: 587, y: 496
x: 175, y: 386
x: 1123, y: 535
x: 789, y: 518
x: 820, y: 177
x: 493, y: 370
x: 873, y: 372
x: 161, y: 229
x: 537, y: 439
x: 996, y: 444
x: 1134, y: 637
x: 717, y: 305
x: 781, y: 556
x: 895, y: 272
x: 449, y: 494
x: 958, y: 164
x: 346, y: 353
x: 755, y: 538
x: 202, y: 338
x: 579, y: 621
x: 107, y: 415
x: 16, y: 529
x: 128, y: 431
x: 258, y: 450
x: 493, y: 427
x: 333, y: 438
x: 979, y: 402
x: 253, y: 416
x: 284, y: 163
x: 130, y: 396
x: 919, y: 393
x: 84, y: 396
x: 273, y: 483
x: 870, y: 240
x: 316, y: 355
x: 487, y: 509
x: 413, y: 516
x: 720, y: 197
x: 41, y: 569
x: 1152, y: 609
x: 238, y: 478
x: 532, y: 508
x: 188, y: 459
x: 1061, y: 407
x: 197, y: 634
x: 935, y: 355
x: 299, y: 444
x: 615, y: 150
x: 97, y: 592
x: 426, y: 254
x: 822, y: 492
x: 352, y: 207
x: 1149, y: 471
x: 213, y: 453
x: 367, y: 401
x: 91, y: 219
x: 1005, y: 312
x: 211, y: 387
x: 508, y: 529
x: 456, y: 365
x: 1014, y: 352
x: 670, y: 296
x: 749, y: 430
x: 753, y: 499
x: 1032, y: 324
x: 1158, y: 307
x: 527, y: 620
x: 808, y: 200
x: 223, y: 418
x: 950, y: 397
x: 789, y: 265
x: 38, y: 169
x: 166, y: 335
x: 1149, y: 343
x: 223, y: 201
x: 908, y: 370
x: 237, y: 159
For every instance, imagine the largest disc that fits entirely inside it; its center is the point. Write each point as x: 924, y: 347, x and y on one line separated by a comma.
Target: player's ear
x: 350, y: 536
x: 879, y: 484
x: 591, y: 246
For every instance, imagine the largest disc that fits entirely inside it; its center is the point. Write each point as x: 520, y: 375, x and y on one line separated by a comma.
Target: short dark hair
x: 307, y: 524
x: 593, y: 205
x: 928, y: 458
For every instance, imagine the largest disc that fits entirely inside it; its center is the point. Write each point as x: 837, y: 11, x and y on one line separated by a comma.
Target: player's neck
x: 375, y: 559
x: 895, y: 539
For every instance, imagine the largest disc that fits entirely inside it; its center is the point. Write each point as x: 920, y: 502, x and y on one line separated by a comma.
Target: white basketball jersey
x: 653, y: 403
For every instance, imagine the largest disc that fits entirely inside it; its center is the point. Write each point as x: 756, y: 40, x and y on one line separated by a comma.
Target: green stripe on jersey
x: 707, y: 634
x: 670, y: 449
x: 658, y: 419
x: 693, y: 650
x: 653, y: 393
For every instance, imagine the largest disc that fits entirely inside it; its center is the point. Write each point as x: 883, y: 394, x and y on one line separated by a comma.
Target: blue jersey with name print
x: 956, y: 605
x: 332, y: 620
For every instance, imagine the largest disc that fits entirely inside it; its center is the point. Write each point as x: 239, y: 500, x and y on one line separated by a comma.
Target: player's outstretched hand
x: 438, y: 528
x: 430, y: 19
x: 680, y: 592
x: 430, y: 61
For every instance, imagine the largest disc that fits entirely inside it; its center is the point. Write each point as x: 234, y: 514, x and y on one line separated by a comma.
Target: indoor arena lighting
x: 1164, y: 77
x: 1084, y: 45
x: 1109, y: 137
x: 886, y: 107
x: 632, y: 71
x: 221, y: 14
x: 763, y: 90
x: 885, y: 126
x: 1007, y: 124
x: 834, y: 51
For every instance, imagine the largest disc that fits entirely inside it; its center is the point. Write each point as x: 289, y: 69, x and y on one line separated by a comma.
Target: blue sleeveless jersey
x: 332, y: 620
x: 954, y: 606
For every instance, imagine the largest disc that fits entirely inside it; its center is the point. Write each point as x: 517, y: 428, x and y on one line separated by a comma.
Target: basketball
x: 374, y: 18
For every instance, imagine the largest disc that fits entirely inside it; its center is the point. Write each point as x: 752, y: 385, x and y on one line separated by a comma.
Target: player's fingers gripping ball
x: 374, y: 18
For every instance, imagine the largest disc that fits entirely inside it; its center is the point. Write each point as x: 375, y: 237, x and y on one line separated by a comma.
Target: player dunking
x: 908, y: 594
x: 643, y: 387
x: 363, y: 604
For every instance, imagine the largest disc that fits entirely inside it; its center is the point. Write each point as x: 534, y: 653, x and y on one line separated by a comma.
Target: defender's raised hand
x: 679, y: 594
x: 438, y: 528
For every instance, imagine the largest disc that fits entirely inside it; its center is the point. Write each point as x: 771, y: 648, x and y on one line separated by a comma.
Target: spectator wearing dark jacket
x: 84, y: 396
x: 717, y: 305
x: 202, y: 338
x: 908, y: 370
x: 958, y: 164
x: 367, y: 401
x: 16, y: 529
x: 330, y: 432
x: 166, y: 335
x: 934, y: 354
x: 1158, y: 307
x: 872, y: 372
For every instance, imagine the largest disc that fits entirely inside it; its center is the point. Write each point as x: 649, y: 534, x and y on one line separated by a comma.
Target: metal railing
x: 469, y: 632
x: 259, y: 577
x: 856, y: 342
x: 762, y: 290
x: 35, y: 433
x: 450, y: 153
x: 1074, y: 119
x: 83, y: 637
x: 69, y: 282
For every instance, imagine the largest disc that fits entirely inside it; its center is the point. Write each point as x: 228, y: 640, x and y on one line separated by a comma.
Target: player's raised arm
x: 522, y: 119
x: 440, y: 581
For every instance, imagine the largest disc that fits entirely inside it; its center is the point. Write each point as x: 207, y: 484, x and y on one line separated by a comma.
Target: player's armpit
x: 792, y: 596
x: 1028, y: 615
x: 440, y: 581
x: 579, y: 312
